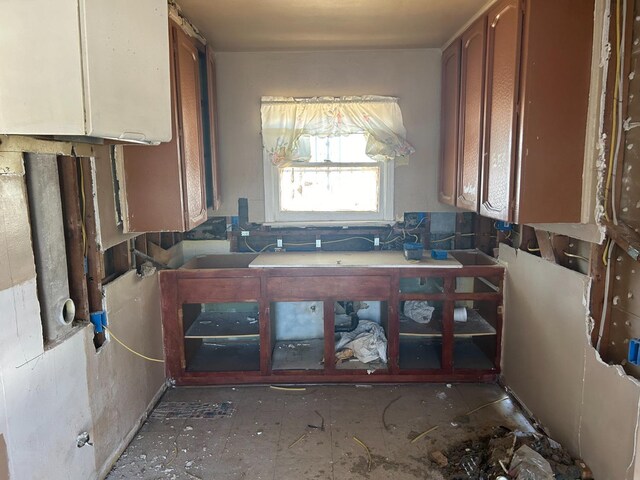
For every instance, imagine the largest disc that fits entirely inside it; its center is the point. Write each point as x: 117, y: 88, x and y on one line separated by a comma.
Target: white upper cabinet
x: 96, y: 68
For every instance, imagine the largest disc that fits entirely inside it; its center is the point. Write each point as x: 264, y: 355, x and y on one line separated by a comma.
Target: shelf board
x: 221, y: 325
x: 474, y: 326
x: 226, y: 356
x: 355, y: 364
x: 298, y: 355
x: 409, y: 328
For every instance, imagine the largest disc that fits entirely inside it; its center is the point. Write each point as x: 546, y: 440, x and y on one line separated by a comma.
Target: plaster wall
x: 49, y: 394
x: 591, y: 407
x: 242, y: 78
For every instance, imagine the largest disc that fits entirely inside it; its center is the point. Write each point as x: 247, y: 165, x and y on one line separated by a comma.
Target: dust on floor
x: 257, y: 432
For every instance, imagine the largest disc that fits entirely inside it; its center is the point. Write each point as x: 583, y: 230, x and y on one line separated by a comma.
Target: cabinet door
x: 503, y: 52
x: 190, y: 121
x: 449, y: 123
x: 151, y: 183
x: 471, y: 108
x: 213, y: 129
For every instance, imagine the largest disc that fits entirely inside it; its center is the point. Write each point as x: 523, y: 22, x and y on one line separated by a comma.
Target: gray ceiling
x: 255, y: 25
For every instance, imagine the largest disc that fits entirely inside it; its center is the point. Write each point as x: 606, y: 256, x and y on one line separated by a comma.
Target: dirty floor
x: 257, y: 432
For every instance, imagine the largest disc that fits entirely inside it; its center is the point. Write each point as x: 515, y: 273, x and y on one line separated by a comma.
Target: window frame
x: 275, y: 216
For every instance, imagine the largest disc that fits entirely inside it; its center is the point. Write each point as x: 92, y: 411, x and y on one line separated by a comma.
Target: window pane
x: 330, y: 189
x: 343, y: 149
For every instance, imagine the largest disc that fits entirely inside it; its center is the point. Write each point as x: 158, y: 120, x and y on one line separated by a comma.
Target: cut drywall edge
x: 600, y: 448
x: 595, y: 115
x: 19, y: 143
x: 601, y: 162
x: 93, y: 189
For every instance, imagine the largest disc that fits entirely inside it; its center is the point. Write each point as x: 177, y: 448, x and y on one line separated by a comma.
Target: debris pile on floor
x: 507, y: 454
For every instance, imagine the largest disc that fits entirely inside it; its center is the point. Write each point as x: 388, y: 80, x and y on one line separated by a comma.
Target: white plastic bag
x: 418, y: 310
x: 527, y: 464
x: 367, y: 341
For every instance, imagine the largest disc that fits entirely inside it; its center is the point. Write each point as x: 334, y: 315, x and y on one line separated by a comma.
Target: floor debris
x: 529, y: 456
x: 227, y: 433
x: 366, y: 449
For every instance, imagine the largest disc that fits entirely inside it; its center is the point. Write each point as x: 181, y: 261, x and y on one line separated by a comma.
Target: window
x: 324, y: 160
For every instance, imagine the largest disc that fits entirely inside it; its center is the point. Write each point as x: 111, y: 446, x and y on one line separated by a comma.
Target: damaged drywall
x: 110, y: 232
x: 48, y: 397
x: 548, y: 362
x: 4, y: 459
x: 133, y: 313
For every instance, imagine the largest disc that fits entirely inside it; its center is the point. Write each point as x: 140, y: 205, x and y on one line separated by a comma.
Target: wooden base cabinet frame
x: 186, y: 289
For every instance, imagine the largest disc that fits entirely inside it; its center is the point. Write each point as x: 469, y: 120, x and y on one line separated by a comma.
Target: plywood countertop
x: 386, y: 259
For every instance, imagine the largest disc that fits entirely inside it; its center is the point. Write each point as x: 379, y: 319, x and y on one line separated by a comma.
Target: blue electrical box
x: 503, y: 226
x: 439, y: 254
x: 634, y: 351
x: 99, y: 320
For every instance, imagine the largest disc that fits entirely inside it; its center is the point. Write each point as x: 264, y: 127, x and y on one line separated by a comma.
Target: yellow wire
x: 573, y: 255
x: 131, y: 349
x: 614, y: 115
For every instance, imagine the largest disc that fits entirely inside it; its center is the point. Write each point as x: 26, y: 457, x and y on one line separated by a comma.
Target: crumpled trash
x: 527, y: 464
x: 367, y: 341
x: 418, y: 310
x: 146, y: 270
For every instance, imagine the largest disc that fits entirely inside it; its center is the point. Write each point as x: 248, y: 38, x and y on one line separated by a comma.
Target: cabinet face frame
x: 504, y: 38
x: 213, y: 127
x: 449, y: 123
x: 472, y: 84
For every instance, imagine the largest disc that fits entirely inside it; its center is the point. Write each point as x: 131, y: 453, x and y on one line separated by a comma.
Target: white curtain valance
x: 286, y: 119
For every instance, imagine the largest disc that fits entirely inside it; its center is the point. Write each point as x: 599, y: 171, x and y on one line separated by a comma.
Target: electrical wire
x: 307, y: 244
x: 573, y: 255
x: 607, y: 281
x: 616, y: 155
x: 452, y: 237
x: 131, y: 349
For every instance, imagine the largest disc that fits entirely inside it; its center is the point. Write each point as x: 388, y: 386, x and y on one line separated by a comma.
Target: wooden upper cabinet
x: 449, y: 123
x: 472, y: 72
x: 164, y: 187
x: 503, y: 54
x: 190, y: 121
x: 554, y: 101
x: 525, y: 72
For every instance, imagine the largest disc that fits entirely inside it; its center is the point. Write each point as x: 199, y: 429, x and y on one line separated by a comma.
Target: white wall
x: 242, y: 78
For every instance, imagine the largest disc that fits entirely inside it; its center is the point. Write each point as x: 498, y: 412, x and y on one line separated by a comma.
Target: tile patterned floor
x: 259, y: 433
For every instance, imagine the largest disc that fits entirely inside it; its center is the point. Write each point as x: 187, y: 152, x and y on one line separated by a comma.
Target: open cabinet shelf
x: 224, y: 325
x: 226, y: 322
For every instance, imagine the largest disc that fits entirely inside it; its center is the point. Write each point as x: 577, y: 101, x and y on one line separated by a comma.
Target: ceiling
x: 258, y: 25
